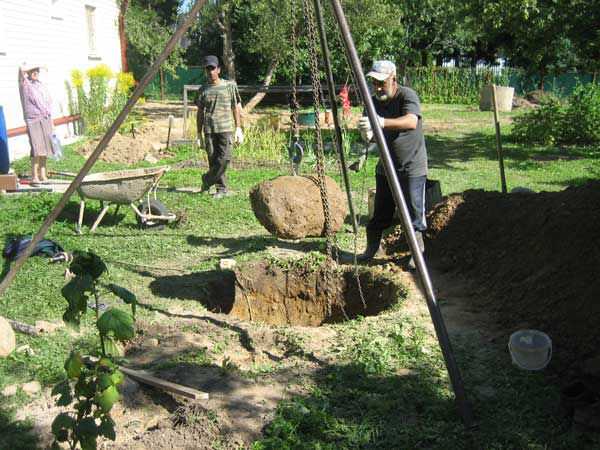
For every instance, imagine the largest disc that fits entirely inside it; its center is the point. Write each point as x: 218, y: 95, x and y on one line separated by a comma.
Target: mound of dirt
x: 147, y: 142
x: 534, y: 258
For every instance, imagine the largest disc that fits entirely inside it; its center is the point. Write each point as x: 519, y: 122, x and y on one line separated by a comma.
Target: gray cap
x: 382, y: 70
x: 210, y: 60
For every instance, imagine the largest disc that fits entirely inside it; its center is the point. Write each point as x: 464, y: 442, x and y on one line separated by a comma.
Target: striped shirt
x: 36, y: 100
x: 218, y: 102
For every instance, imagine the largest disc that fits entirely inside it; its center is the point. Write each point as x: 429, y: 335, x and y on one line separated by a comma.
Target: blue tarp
x: 4, y: 160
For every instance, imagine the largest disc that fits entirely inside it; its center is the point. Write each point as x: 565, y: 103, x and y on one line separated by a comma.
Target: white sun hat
x: 382, y: 70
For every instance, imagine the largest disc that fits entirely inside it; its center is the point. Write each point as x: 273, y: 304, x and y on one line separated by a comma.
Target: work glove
x: 364, y: 126
x: 239, y: 135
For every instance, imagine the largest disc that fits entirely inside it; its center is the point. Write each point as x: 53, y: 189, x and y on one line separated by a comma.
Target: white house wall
x: 52, y: 33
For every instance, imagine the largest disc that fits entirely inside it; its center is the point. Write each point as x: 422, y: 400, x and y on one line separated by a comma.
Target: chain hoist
x: 317, y: 94
x: 295, y: 148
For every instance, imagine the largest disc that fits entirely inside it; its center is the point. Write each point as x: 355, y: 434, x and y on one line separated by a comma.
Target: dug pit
x: 274, y: 294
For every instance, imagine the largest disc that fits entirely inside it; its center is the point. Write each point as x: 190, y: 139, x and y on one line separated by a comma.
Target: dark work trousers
x: 218, y: 149
x: 413, y: 189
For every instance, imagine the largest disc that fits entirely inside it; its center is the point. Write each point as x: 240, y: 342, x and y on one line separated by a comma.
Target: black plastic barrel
x: 4, y: 160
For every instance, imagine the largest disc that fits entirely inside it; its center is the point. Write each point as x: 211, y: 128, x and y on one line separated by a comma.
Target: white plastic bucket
x: 530, y: 349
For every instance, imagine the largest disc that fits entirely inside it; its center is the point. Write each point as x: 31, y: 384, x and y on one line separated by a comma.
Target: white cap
x: 26, y: 67
x: 382, y: 70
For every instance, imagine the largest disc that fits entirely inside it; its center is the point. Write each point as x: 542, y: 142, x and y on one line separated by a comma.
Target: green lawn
x: 350, y: 404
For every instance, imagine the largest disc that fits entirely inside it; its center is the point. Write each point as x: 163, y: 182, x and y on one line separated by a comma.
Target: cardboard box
x: 8, y: 182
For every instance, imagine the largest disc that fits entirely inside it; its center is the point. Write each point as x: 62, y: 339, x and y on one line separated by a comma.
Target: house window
x: 56, y: 10
x: 90, y: 17
x: 2, y: 37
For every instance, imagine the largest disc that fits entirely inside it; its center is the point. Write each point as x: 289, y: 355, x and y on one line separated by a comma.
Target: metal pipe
x: 137, y: 93
x: 434, y: 311
x: 334, y: 110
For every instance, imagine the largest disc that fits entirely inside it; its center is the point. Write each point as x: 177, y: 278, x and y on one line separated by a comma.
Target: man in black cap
x: 219, y: 122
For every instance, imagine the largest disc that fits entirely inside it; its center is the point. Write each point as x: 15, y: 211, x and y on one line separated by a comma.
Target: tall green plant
x: 570, y: 122
x: 91, y: 388
x: 100, y: 104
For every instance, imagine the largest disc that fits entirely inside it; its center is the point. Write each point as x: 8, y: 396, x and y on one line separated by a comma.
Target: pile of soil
x: 533, y: 258
x: 147, y: 142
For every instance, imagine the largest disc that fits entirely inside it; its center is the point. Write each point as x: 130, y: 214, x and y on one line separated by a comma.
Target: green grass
x: 357, y: 404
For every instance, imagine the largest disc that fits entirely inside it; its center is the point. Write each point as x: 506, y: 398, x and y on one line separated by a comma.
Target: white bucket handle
x: 521, y: 366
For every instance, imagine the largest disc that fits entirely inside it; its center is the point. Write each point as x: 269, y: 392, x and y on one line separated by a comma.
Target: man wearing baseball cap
x: 399, y: 115
x: 219, y: 122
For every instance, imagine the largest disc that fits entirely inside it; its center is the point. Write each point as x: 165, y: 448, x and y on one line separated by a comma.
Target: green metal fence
x: 173, y: 85
x: 434, y: 84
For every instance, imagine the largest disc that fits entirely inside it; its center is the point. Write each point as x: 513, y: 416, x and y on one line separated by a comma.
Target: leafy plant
x: 554, y: 122
x: 99, y: 104
x: 541, y: 125
x: 91, y: 388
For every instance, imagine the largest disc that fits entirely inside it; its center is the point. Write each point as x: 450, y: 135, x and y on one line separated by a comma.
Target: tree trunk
x: 224, y: 22
x: 257, y: 98
x: 162, y: 83
x: 123, y: 36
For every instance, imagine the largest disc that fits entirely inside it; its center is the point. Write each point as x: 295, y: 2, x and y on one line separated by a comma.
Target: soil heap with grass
x: 533, y: 258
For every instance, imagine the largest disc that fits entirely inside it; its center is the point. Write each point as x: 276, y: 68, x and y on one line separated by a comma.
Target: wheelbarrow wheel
x: 156, y: 208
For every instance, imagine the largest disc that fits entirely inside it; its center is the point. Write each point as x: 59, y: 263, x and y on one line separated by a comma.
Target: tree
x: 147, y: 35
x: 531, y: 33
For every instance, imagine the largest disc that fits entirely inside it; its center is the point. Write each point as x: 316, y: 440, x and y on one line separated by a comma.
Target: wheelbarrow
x: 126, y: 187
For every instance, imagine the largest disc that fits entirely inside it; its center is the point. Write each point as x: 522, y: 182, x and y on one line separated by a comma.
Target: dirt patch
x: 533, y: 259
x: 148, y: 142
x: 265, y: 292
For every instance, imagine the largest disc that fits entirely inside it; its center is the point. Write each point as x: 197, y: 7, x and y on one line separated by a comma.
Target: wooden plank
x: 178, y: 389
x: 499, y: 141
x: 24, y: 328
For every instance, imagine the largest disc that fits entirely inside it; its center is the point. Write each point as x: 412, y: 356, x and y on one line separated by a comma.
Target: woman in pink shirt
x: 37, y: 109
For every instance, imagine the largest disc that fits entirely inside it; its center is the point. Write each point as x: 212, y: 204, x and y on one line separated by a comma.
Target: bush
x: 541, y: 125
x: 100, y: 104
x: 567, y: 123
x: 583, y: 116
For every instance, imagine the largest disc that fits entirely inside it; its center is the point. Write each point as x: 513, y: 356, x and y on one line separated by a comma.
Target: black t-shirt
x: 407, y: 147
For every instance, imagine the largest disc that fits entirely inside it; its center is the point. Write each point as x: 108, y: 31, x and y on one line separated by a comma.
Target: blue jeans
x: 413, y: 190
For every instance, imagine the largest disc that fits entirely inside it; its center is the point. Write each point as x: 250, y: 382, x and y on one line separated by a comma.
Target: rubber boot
x: 373, y: 241
x: 421, y: 244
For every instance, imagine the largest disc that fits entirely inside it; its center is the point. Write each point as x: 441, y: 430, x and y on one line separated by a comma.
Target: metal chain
x: 316, y: 87
x: 294, y: 105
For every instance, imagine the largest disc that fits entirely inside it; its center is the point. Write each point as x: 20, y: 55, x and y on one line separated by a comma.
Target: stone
x: 151, y: 342
x: 521, y: 190
x: 25, y: 349
x: 10, y: 390
x: 8, y: 341
x: 150, y: 158
x: 31, y: 388
x: 129, y: 387
x: 227, y: 264
x: 290, y: 207
x: 591, y: 366
x: 47, y: 327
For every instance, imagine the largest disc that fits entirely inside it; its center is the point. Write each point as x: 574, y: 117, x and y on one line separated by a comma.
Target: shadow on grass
x: 244, y: 337
x: 70, y: 214
x: 349, y: 407
x: 239, y: 245
x: 16, y: 435
x: 443, y: 151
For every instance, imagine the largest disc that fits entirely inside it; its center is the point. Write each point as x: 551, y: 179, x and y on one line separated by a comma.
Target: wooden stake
x: 164, y: 385
x: 498, y: 140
